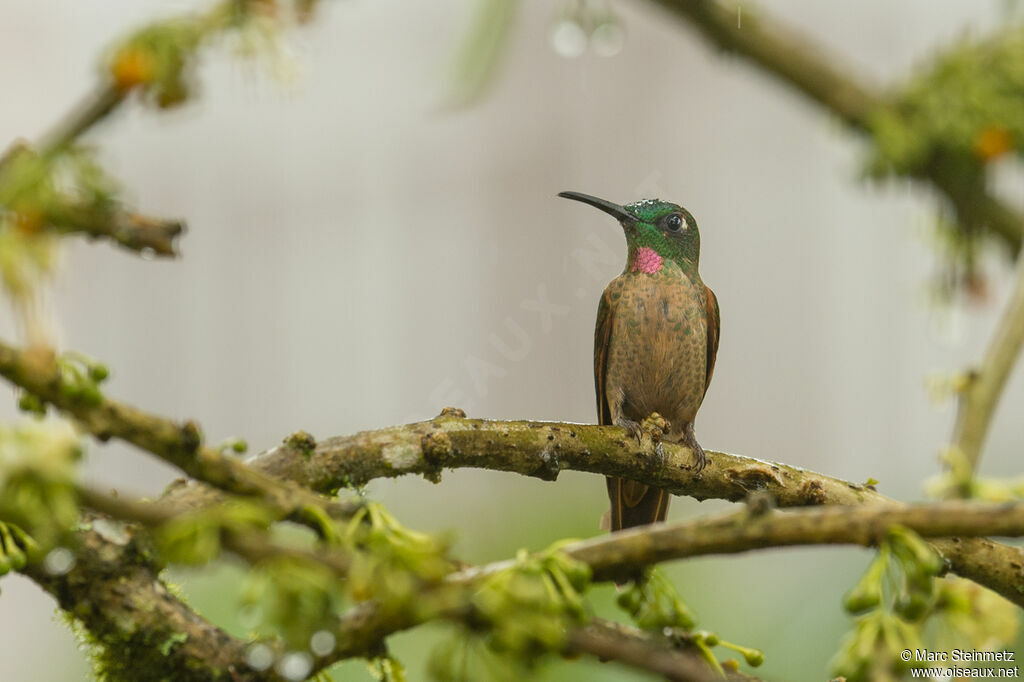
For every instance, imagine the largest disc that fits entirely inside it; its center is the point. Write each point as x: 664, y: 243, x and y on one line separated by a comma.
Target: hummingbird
x: 655, y: 342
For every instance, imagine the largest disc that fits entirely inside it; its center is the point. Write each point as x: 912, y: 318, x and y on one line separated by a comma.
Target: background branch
x: 810, y: 69
x: 130, y: 230
x: 95, y: 107
x: 608, y: 640
x: 985, y: 386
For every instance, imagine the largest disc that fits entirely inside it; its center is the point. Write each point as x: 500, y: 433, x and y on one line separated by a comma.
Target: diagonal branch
x: 809, y: 68
x: 127, y: 609
x: 612, y: 641
x: 784, y: 52
x: 95, y: 107
x: 178, y: 444
x: 978, y: 401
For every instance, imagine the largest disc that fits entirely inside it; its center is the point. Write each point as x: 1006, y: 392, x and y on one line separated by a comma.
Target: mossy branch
x: 115, y: 593
x: 527, y: 447
x: 181, y: 445
x: 543, y: 449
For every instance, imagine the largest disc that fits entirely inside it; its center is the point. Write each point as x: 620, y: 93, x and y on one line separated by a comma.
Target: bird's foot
x: 631, y: 426
x: 690, y: 441
x: 656, y: 427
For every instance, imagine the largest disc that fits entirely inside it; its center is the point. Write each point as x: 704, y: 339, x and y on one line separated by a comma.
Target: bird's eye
x: 674, y: 222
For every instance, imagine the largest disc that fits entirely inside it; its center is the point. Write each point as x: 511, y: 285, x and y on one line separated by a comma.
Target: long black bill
x: 620, y: 214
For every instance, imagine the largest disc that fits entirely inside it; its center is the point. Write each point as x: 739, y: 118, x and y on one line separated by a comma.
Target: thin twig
x: 132, y: 231
x: 253, y: 546
x: 95, y: 107
x: 612, y: 641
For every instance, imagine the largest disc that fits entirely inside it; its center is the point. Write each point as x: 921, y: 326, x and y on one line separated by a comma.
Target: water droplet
x: 147, y: 253
x: 59, y: 561
x: 112, y: 531
x: 322, y: 642
x: 295, y: 665
x: 608, y: 39
x: 259, y: 656
x: 568, y: 38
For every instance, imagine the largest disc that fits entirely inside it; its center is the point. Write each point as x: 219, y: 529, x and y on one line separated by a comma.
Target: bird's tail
x: 633, y: 504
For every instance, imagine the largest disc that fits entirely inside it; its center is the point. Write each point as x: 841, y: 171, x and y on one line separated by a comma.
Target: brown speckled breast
x: 657, y: 349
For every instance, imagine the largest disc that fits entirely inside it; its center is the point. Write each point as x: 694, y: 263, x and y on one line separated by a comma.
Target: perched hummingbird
x: 655, y: 342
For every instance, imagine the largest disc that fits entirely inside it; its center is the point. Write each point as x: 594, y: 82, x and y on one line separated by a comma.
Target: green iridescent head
x: 655, y: 230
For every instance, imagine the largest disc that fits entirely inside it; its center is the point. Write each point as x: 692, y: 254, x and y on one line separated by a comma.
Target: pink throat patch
x: 646, y: 259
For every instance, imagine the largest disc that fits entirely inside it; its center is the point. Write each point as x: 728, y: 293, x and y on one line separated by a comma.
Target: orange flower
x: 992, y: 142
x: 28, y: 221
x: 132, y: 66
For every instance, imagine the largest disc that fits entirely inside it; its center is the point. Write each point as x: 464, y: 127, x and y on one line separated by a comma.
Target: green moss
x: 137, y: 657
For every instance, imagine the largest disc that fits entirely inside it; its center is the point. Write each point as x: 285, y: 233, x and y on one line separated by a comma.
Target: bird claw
x: 633, y: 428
x: 690, y: 440
x: 702, y: 458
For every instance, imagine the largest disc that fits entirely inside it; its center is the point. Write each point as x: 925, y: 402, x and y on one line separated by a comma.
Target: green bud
x: 90, y: 395
x: 912, y: 606
x: 29, y: 402
x: 98, y: 372
x: 709, y: 638
x: 865, y: 595
x: 909, y: 545
x: 629, y: 601
x: 753, y: 657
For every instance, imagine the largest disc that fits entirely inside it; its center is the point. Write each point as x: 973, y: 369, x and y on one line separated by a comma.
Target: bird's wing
x: 602, y: 335
x: 714, y: 329
x: 632, y: 503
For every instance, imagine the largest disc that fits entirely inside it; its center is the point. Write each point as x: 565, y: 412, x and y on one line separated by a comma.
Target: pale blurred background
x: 355, y: 244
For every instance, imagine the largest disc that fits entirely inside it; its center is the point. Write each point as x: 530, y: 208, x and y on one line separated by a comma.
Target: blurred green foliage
x: 903, y: 604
